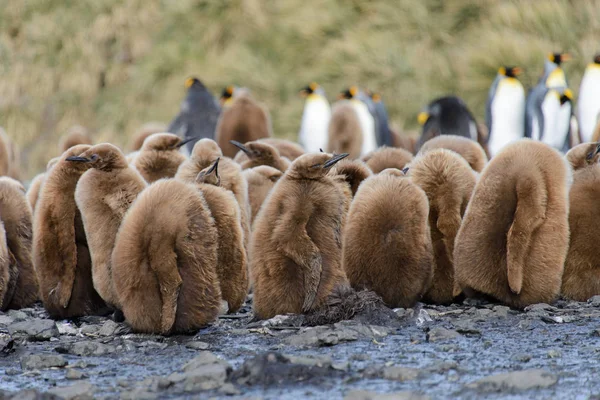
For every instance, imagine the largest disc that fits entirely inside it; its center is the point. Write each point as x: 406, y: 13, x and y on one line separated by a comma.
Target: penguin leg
x: 529, y: 215
x: 169, y: 283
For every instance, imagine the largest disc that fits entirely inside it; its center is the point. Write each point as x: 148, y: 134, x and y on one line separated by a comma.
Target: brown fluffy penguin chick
x: 204, y: 154
x: 15, y: 213
x: 260, y: 180
x: 164, y: 260
x: 387, y: 157
x: 6, y: 291
x: 581, y: 278
x: 352, y: 172
x: 514, y: 236
x: 160, y: 156
x: 260, y: 153
x: 103, y: 195
x: 145, y: 130
x: 387, y: 245
x: 33, y: 192
x: 448, y: 182
x: 232, y: 262
x: 76, y: 135
x: 244, y: 121
x: 468, y: 149
x: 296, y: 248
x: 60, y: 253
x: 287, y: 148
x: 583, y: 155
x: 344, y: 132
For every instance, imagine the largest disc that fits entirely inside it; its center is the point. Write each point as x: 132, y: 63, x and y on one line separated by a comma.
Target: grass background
x: 112, y: 65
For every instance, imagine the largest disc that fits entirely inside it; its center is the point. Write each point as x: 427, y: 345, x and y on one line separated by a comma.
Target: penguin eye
x: 94, y: 157
x: 315, y: 166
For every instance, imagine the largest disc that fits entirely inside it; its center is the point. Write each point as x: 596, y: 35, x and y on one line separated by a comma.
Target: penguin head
x: 9, y: 184
x: 597, y: 59
x: 376, y: 97
x: 210, y: 175
x: 314, y: 165
x: 52, y: 163
x: 193, y: 83
x: 349, y: 93
x: 206, y: 149
x: 584, y: 155
x: 103, y: 156
x: 510, y: 72
x: 400, y: 173
x: 64, y: 159
x: 227, y: 95
x: 164, y: 142
x: 262, y: 152
x: 559, y: 58
x: 309, y: 89
x: 567, y: 95
x: 270, y: 173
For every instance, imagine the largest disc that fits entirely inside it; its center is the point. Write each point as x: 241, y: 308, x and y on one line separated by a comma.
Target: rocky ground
x: 463, y: 351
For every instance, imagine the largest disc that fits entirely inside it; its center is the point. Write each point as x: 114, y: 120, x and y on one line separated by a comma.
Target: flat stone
x: 341, y: 332
x: 66, y: 328
x: 35, y: 330
x: 401, y: 374
x: 365, y: 395
x: 554, y: 354
x: 515, y: 381
x: 6, y: 320
x: 203, y: 358
x: 521, y: 357
x: 206, y: 377
x: 466, y: 326
x: 87, y: 348
x: 229, y: 389
x: 441, y: 334
x: 594, y: 301
x: 441, y: 367
x: 552, y: 320
x: 89, y: 329
x: 138, y: 394
x: 323, y: 361
x: 197, y: 345
x: 79, y: 391
x: 17, y: 315
x: 540, y: 307
x: 42, y: 361
x: 7, y: 343
x: 73, y: 374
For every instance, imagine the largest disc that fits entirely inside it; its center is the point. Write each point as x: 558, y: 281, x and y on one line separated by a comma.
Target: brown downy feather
x: 387, y: 157
x: 287, y: 148
x: 514, y: 236
x: 583, y: 155
x: 465, y: 147
x: 159, y: 157
x: 260, y: 153
x: 260, y: 182
x: 33, y: 192
x: 344, y: 132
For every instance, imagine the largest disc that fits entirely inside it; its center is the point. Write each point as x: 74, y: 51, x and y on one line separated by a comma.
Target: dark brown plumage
x: 387, y: 157
x: 103, y: 195
x: 164, y: 261
x: 260, y: 182
x: 344, y: 132
x: 296, y: 244
x: 33, y: 192
x: 15, y: 214
x: 448, y: 181
x: 160, y: 156
x: 244, y: 121
x: 60, y: 252
x: 514, y: 237
x: 465, y: 147
x: 387, y: 244
x: 287, y: 148
x: 260, y: 153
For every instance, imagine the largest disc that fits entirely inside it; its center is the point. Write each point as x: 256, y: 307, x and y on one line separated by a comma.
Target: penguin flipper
x: 169, y: 283
x: 68, y: 248
x: 529, y: 215
x: 448, y: 223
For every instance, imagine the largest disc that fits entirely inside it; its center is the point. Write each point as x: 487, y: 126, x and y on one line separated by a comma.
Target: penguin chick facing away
x: 351, y: 173
x: 204, y: 154
x: 468, y: 149
x: 146, y: 130
x: 160, y: 156
x: 387, y: 245
x: 232, y: 263
x: 581, y: 278
x: 286, y: 148
x: 260, y: 180
x: 15, y: 214
x: 260, y: 153
x: 514, y: 237
x: 448, y: 181
x: 345, y: 133
x: 60, y: 252
x: 583, y: 155
x: 75, y: 135
x: 296, y: 248
x: 103, y: 195
x: 164, y: 261
x: 244, y: 121
x: 387, y: 157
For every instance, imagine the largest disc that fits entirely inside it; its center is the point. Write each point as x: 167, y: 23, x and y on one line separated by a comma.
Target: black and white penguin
x: 446, y: 116
x: 588, y: 104
x: 551, y: 121
x: 360, y: 102
x: 505, y: 109
x: 384, y: 134
x: 315, y: 119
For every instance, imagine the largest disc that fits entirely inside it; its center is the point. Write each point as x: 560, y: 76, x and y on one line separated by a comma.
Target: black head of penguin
x: 567, y: 95
x: 559, y: 58
x: 597, y: 59
x: 349, y: 93
x: 510, y: 72
x: 446, y: 116
x: 309, y: 89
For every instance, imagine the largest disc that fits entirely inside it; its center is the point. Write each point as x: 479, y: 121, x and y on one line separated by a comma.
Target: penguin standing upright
x: 384, y: 134
x: 315, y: 119
x: 358, y: 99
x: 505, y: 109
x: 552, y: 120
x: 447, y: 116
x: 588, y: 107
x: 198, y: 116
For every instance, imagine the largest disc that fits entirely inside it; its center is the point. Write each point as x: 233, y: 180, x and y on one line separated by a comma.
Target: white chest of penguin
x: 508, y: 114
x: 557, y: 118
x: 315, y: 120
x: 367, y: 124
x: 588, y: 107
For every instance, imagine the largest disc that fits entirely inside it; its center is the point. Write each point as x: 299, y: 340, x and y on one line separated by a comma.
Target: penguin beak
x: 334, y: 160
x: 215, y: 168
x: 305, y: 91
x: 422, y: 118
x: 565, y: 57
x: 405, y: 170
x: 78, y: 159
x: 185, y: 141
x: 517, y: 71
x: 241, y: 147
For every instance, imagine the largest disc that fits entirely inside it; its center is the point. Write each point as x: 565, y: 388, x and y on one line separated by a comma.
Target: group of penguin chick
x: 163, y: 238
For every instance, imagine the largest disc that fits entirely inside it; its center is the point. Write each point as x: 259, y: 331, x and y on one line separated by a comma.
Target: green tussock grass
x: 112, y: 65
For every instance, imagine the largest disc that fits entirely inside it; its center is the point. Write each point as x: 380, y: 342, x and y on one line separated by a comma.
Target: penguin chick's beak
x: 78, y: 159
x: 214, y: 168
x: 241, y: 147
x: 333, y: 160
x: 592, y: 154
x: 422, y: 117
x: 186, y: 141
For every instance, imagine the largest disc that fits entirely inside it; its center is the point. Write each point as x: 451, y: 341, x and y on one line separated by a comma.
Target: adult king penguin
x: 315, y: 119
x: 588, y: 107
x: 360, y: 102
x: 552, y: 118
x: 198, y: 116
x: 384, y: 134
x: 505, y: 109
